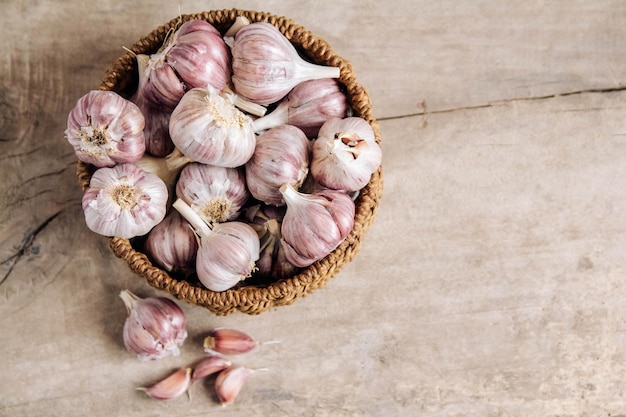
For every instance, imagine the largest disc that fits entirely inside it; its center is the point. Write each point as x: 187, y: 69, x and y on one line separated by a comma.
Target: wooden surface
x: 491, y: 284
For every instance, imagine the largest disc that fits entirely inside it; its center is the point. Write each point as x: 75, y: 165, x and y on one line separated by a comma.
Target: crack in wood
x: 25, y: 246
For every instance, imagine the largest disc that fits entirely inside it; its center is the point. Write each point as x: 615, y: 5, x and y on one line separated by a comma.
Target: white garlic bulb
x: 106, y: 129
x: 124, y: 201
x: 345, y: 154
x: 208, y: 128
x: 227, y: 253
x: 314, y: 224
x: 215, y: 193
x: 281, y: 156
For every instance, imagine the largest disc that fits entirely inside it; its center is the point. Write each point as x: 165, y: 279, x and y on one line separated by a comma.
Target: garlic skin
x: 172, y: 244
x: 315, y: 224
x: 124, y: 201
x: 229, y: 383
x: 215, y: 193
x: 308, y: 106
x: 173, y: 386
x: 266, y: 66
x: 106, y: 129
x: 345, y: 154
x: 154, y: 327
x: 227, y: 252
x: 281, y: 156
x: 208, y: 128
x: 194, y: 56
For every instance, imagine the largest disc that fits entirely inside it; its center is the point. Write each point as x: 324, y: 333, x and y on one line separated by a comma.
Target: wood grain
x: 491, y: 284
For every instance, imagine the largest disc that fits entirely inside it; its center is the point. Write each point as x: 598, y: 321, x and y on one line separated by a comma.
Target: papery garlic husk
x: 208, y: 128
x: 281, y: 156
x: 229, y: 342
x: 171, y: 387
x: 345, y: 154
x: 106, y: 129
x: 194, y: 56
x: 209, y: 366
x: 266, y: 66
x: 154, y: 327
x: 124, y: 201
x: 215, y: 193
x: 173, y: 244
x: 315, y: 224
x: 307, y: 107
x: 266, y: 220
x: 227, y: 253
x: 230, y: 381
x: 156, y: 131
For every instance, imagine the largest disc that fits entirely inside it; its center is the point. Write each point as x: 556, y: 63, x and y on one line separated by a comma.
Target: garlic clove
x: 124, y: 201
x: 230, y: 381
x: 229, y: 342
x: 173, y: 386
x: 105, y: 129
x: 209, y: 366
x: 173, y: 244
x: 154, y: 327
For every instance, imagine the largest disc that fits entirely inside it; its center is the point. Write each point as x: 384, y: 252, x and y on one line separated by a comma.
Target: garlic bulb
x: 307, y: 107
x: 281, y: 156
x: 227, y: 252
x: 266, y: 66
x: 194, y: 56
x: 106, y: 129
x: 215, y: 193
x: 154, y: 328
x: 172, y: 244
x: 124, y: 201
x: 208, y: 128
x: 266, y: 220
x: 156, y: 130
x: 315, y: 224
x: 345, y: 154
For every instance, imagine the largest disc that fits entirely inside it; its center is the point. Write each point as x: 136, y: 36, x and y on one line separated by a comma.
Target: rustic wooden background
x: 491, y: 284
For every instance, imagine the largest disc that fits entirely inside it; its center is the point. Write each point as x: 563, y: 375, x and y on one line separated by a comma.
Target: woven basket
x: 121, y: 77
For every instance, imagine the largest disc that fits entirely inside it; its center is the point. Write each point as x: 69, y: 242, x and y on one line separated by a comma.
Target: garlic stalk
x: 173, y: 386
x: 266, y: 66
x: 307, y: 107
x: 194, y: 56
x: 215, y: 193
x: 345, y: 154
x: 154, y: 327
x: 227, y: 252
x: 106, y: 129
x: 314, y: 224
x: 281, y: 156
x: 208, y: 128
x: 172, y: 244
x: 124, y: 201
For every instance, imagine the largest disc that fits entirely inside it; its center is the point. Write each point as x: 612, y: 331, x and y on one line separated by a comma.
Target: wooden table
x: 491, y: 284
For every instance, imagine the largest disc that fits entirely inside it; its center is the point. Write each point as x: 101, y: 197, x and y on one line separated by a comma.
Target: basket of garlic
x: 231, y: 158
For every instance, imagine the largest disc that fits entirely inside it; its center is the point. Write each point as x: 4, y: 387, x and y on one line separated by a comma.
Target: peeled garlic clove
x: 215, y: 193
x: 307, y: 106
x: 154, y: 327
x: 314, y: 224
x: 345, y: 154
x: 230, y: 381
x: 229, y: 342
x: 171, y: 387
x: 172, y: 244
x: 227, y: 252
x: 124, y: 201
x: 266, y: 66
x: 281, y: 156
x: 209, y: 366
x: 208, y: 128
x: 106, y: 129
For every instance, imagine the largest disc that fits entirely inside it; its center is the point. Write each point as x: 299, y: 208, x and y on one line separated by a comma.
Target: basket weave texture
x: 121, y: 77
